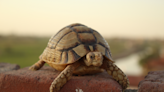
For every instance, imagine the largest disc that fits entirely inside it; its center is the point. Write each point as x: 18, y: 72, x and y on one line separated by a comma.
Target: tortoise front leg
x: 62, y: 78
x: 117, y: 73
x: 37, y: 65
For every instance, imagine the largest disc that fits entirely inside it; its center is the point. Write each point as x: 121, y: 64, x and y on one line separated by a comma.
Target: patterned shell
x: 72, y: 43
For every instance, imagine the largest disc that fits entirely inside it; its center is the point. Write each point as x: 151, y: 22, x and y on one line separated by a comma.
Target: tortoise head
x: 94, y: 58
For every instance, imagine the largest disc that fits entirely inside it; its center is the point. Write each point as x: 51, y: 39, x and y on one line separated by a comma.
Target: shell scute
x: 82, y: 29
x: 81, y: 50
x: 64, y: 57
x: 67, y: 42
x: 73, y: 56
x: 87, y: 38
x: 56, y: 38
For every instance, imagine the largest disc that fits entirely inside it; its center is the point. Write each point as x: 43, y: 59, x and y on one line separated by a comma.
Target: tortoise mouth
x: 96, y: 64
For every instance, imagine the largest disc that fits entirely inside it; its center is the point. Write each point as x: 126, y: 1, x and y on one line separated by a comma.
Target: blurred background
x: 134, y: 30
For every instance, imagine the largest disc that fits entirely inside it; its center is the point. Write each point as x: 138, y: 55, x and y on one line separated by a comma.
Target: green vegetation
x: 151, y: 51
x: 25, y: 51
x: 117, y: 45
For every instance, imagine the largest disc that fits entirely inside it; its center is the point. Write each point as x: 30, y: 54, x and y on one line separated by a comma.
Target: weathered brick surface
x: 4, y: 67
x: 24, y: 80
x: 153, y: 82
x: 130, y: 90
x: 134, y: 80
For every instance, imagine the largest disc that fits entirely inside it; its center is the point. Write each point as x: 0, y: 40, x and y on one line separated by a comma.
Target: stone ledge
x: 24, y: 80
x: 153, y: 82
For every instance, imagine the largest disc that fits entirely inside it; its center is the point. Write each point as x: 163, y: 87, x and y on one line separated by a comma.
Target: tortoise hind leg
x: 116, y: 73
x: 62, y: 78
x: 37, y: 65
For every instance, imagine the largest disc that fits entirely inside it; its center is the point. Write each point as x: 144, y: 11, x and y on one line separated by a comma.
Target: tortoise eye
x: 91, y: 57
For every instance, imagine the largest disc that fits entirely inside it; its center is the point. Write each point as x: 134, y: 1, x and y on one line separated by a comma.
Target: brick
x: 130, y: 90
x: 134, y: 80
x: 153, y: 82
x: 24, y: 80
x: 4, y: 67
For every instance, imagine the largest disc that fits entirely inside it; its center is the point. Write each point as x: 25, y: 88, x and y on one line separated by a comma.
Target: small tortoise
x: 78, y: 49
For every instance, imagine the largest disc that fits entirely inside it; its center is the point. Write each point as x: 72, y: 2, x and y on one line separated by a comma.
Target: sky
x: 111, y: 18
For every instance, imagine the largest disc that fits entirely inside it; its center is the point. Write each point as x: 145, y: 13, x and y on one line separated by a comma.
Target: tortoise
x: 78, y: 49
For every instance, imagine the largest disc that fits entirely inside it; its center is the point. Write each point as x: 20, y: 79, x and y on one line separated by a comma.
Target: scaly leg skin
x: 62, y: 78
x: 117, y: 74
x: 37, y: 65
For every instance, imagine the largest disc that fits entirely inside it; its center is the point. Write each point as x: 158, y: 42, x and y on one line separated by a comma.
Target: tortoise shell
x: 72, y: 43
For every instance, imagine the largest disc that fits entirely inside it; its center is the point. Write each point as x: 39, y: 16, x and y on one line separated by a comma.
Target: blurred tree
x: 150, y: 58
x: 151, y: 52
